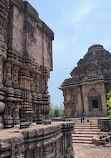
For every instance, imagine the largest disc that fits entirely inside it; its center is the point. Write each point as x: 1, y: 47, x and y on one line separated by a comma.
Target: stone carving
x: 93, y: 92
x: 25, y: 67
x: 92, y: 73
x: 56, y: 142
x: 23, y: 71
x: 15, y: 77
x: 3, y: 52
x: 104, y: 125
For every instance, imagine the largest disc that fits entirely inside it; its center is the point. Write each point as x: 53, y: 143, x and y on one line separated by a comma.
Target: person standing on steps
x: 90, y: 124
x: 83, y: 116
x: 81, y: 119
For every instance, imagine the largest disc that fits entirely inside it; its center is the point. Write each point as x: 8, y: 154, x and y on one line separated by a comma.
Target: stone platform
x: 39, y: 141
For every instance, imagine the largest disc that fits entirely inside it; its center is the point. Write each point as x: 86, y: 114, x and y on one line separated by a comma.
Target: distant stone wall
x: 104, y: 125
x: 50, y: 141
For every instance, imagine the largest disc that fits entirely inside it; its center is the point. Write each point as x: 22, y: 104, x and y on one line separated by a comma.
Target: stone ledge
x: 21, y: 141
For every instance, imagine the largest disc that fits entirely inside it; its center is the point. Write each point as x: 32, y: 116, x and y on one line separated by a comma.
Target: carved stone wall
x: 72, y: 102
x: 104, y: 125
x: 25, y: 64
x: 51, y: 141
x: 93, y: 72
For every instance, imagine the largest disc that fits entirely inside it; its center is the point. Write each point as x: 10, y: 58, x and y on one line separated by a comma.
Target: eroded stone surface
x: 51, y: 141
x: 25, y: 64
x: 104, y: 125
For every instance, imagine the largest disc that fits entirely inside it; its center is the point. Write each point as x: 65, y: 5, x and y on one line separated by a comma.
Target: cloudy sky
x: 77, y: 24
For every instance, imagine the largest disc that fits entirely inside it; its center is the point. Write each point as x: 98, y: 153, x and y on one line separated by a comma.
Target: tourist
x: 81, y: 119
x: 90, y: 124
x: 83, y: 116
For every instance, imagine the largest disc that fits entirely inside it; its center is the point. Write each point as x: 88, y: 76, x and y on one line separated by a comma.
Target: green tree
x: 109, y: 104
x: 56, y: 113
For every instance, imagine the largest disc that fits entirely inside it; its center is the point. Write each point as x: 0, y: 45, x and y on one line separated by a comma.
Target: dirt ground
x: 91, y: 151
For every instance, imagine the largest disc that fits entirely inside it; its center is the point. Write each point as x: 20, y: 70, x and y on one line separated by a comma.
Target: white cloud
x: 83, y: 13
x: 76, y: 13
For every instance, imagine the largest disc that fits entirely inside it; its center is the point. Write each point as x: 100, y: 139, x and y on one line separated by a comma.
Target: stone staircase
x: 84, y: 133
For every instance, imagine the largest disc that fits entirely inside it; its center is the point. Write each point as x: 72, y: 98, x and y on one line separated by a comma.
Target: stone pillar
x: 9, y: 99
x: 2, y: 88
x: 16, y: 117
x: 26, y: 108
x: 8, y: 120
x: 3, y: 52
x: 39, y: 100
x: 46, y: 97
x: 17, y: 95
x: 34, y: 95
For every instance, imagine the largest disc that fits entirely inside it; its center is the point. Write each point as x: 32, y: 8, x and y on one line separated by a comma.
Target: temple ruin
x: 86, y: 90
x: 25, y: 65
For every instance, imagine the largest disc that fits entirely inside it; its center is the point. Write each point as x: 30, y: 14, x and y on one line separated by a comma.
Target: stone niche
x: 51, y: 141
x: 25, y: 64
x: 86, y: 90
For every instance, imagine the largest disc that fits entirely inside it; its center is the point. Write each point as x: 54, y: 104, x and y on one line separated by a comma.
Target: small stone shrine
x: 86, y: 90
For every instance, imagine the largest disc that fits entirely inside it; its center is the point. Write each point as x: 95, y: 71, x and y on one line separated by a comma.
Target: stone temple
x: 86, y: 90
x: 25, y: 65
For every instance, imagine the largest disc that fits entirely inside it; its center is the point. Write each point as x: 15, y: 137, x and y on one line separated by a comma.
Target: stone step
x: 88, y: 130
x: 83, y: 132
x: 82, y: 138
x: 94, y: 124
x: 85, y: 127
x: 88, y: 125
x: 87, y: 133
x: 82, y: 135
x: 85, y: 121
x: 82, y: 141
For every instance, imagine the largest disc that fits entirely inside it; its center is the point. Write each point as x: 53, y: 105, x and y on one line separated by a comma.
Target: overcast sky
x: 77, y: 24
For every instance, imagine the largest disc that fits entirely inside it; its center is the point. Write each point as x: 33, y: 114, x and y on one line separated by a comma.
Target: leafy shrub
x: 109, y: 104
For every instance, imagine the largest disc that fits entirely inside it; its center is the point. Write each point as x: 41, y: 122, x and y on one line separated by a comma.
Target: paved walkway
x: 91, y: 151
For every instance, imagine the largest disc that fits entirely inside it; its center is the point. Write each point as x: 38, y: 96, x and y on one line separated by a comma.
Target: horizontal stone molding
x: 45, y: 138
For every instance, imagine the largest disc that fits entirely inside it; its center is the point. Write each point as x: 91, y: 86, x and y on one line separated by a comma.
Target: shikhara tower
x: 90, y: 81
